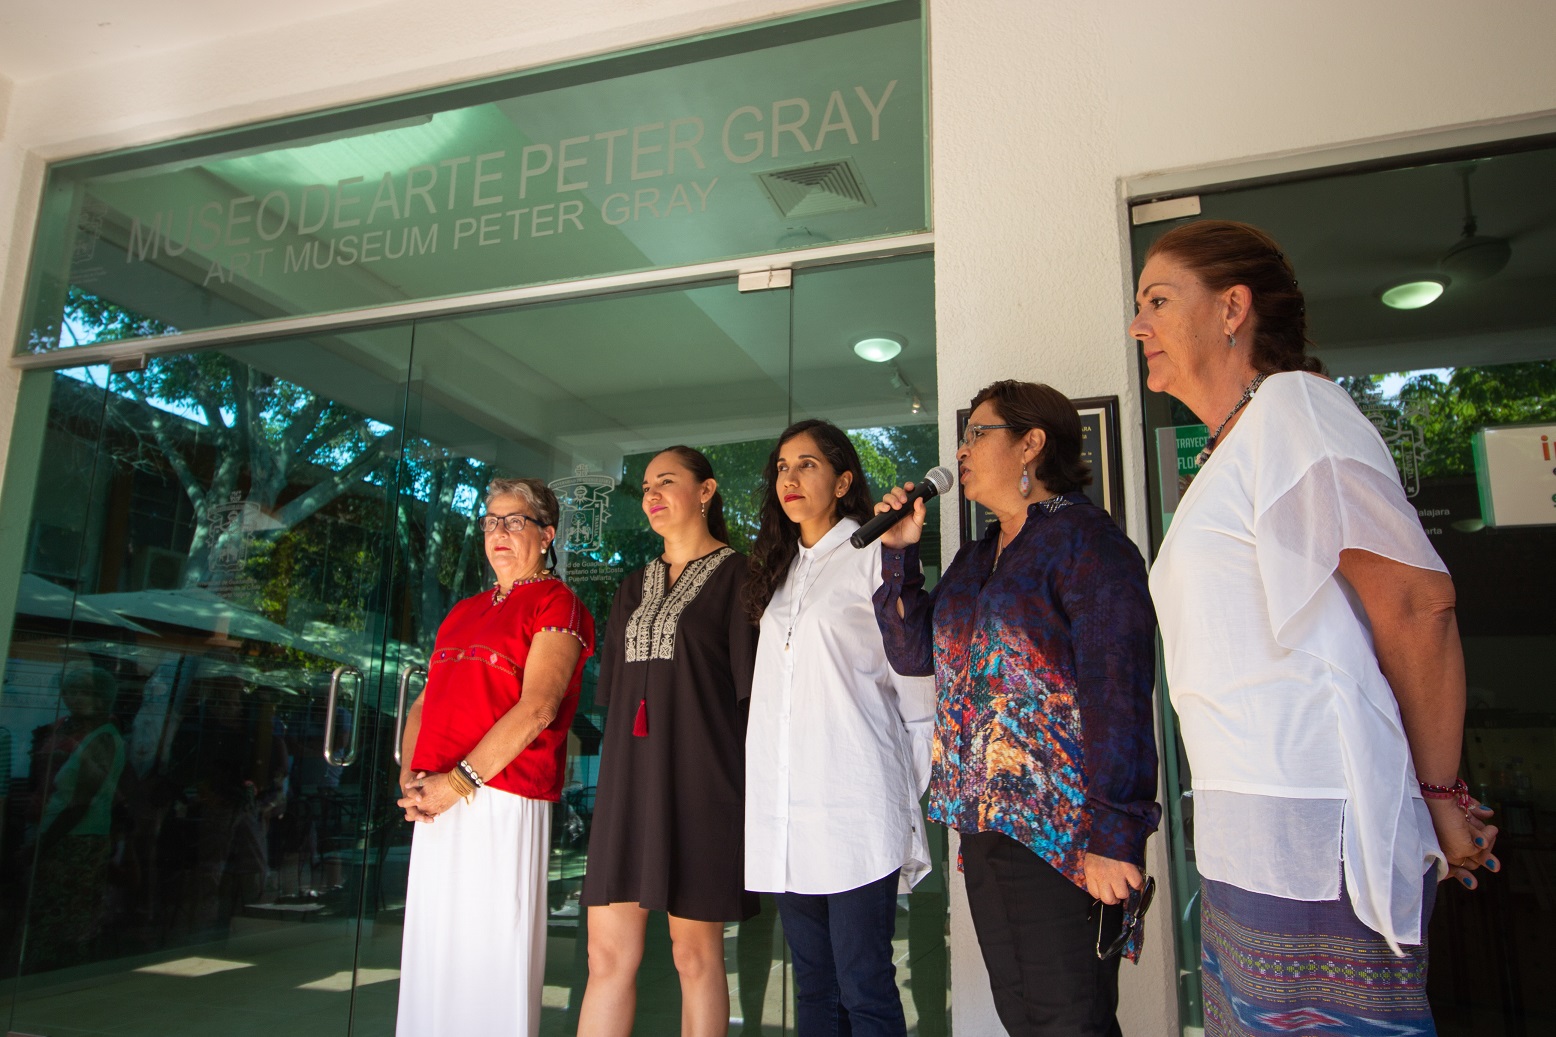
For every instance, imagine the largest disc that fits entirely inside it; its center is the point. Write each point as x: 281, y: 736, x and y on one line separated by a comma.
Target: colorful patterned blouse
x: 1044, y: 668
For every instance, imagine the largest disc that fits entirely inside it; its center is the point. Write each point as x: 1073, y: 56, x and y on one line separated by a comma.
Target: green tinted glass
x: 783, y: 137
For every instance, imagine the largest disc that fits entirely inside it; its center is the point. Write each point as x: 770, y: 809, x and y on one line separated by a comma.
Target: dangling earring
x: 1026, y: 483
x: 704, y: 509
x: 1231, y: 342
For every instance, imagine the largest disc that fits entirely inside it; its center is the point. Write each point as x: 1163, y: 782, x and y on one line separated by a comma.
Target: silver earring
x: 1231, y: 342
x: 1026, y: 483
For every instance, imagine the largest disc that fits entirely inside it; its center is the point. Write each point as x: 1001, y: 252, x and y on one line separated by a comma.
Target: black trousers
x: 1038, y: 934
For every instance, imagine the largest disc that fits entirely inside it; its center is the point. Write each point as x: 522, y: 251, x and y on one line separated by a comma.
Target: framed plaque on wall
x: 1100, y: 448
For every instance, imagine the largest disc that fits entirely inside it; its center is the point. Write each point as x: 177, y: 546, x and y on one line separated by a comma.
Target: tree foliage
x: 1447, y: 413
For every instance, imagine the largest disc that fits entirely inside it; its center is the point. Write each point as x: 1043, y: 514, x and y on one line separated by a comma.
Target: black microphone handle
x: 871, y: 531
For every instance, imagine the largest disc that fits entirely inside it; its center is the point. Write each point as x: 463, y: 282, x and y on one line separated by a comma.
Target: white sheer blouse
x: 1299, y: 758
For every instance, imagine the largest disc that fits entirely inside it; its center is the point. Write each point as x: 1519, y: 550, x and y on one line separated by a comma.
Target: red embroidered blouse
x: 477, y: 673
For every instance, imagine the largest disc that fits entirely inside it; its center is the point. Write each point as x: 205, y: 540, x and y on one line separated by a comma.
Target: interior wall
x: 1040, y: 110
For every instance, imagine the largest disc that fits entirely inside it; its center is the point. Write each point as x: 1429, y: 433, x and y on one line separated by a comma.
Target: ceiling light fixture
x: 878, y: 348
x: 1412, y: 295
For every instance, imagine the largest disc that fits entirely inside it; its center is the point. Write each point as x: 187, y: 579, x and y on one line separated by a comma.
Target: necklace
x: 799, y: 600
x: 499, y: 595
x: 1242, y: 401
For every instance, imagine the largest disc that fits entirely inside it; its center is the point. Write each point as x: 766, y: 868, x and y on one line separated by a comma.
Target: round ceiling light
x: 878, y: 348
x: 1412, y: 295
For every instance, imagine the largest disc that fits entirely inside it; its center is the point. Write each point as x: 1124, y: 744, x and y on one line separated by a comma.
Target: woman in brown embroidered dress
x: 675, y: 674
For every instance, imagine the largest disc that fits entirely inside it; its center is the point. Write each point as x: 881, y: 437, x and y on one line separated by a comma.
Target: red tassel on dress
x: 640, y: 722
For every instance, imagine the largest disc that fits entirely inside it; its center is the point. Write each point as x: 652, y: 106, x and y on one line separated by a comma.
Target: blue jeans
x: 845, y: 984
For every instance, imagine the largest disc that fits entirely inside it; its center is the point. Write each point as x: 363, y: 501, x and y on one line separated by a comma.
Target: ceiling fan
x: 1475, y: 256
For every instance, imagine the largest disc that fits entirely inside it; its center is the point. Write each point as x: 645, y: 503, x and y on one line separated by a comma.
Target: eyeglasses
x: 513, y: 522
x: 972, y: 433
x: 1135, y: 907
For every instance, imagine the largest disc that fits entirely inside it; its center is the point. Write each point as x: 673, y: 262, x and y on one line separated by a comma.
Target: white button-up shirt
x: 837, y: 748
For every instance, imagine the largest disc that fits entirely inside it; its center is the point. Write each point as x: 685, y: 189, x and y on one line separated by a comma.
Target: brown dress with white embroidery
x: 675, y: 665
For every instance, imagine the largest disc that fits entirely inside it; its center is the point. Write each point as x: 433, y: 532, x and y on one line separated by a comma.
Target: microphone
x: 937, y: 480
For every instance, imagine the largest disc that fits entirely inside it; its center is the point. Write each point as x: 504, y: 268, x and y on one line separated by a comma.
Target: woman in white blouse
x: 837, y: 748
x: 1312, y: 656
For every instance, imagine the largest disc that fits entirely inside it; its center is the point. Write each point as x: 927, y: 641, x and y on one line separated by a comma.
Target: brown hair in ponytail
x: 1223, y: 253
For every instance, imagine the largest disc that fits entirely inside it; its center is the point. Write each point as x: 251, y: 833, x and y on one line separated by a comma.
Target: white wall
x: 1040, y: 110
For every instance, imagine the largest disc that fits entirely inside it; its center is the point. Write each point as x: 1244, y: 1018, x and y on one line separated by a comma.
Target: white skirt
x: 474, y: 954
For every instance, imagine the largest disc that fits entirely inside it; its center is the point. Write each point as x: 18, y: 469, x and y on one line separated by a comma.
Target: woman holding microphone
x: 1042, y: 637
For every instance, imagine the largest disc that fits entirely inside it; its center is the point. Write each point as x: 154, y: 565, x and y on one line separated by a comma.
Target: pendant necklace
x: 799, y: 600
x: 1242, y: 401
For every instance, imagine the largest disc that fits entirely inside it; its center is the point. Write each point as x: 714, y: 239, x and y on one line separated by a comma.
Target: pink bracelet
x: 1457, y: 791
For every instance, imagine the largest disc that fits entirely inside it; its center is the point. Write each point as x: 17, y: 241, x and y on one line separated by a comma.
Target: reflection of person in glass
x: 231, y: 760
x: 1043, y: 640
x: 675, y: 674
x: 73, y: 832
x: 1312, y: 655
x: 837, y: 752
x: 484, y: 749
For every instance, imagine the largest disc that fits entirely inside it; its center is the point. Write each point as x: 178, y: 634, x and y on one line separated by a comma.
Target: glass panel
x: 1431, y: 379
x: 581, y: 394
x: 788, y: 136
x: 888, y: 407
x: 58, y: 421
x: 208, y: 542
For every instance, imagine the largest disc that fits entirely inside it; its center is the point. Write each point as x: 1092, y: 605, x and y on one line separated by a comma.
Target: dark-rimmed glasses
x: 1135, y: 906
x: 513, y: 522
x: 972, y: 433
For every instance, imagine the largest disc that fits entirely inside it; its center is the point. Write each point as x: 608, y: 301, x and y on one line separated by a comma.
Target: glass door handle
x: 399, y: 707
x: 329, y: 719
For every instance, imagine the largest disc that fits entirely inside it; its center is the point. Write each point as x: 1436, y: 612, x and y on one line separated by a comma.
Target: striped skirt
x: 1276, y: 966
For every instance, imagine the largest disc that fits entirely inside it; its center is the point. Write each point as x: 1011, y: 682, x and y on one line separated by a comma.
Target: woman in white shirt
x: 837, y: 747
x: 1312, y: 656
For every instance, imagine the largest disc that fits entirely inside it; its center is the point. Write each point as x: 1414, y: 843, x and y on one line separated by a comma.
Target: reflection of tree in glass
x: 282, y: 448
x: 438, y: 539
x: 1447, y: 413
x: 237, y: 440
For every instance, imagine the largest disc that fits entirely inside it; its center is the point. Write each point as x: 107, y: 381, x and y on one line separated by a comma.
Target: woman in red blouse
x: 485, y: 747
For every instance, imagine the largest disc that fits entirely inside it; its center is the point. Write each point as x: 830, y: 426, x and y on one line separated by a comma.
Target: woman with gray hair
x: 485, y: 749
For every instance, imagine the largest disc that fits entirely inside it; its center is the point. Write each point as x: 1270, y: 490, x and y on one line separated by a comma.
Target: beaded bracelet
x: 1458, y: 791
x: 470, y: 774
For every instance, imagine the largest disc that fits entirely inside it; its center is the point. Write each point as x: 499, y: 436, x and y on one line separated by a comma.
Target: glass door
x: 191, y: 688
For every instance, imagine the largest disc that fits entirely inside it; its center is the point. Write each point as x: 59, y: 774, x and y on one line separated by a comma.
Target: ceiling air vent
x: 812, y: 190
